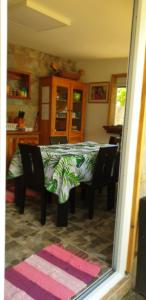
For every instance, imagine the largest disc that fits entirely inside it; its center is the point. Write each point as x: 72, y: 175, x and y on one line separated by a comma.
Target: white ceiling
x: 99, y: 28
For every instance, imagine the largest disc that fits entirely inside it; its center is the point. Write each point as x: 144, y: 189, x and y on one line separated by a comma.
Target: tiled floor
x: 90, y: 239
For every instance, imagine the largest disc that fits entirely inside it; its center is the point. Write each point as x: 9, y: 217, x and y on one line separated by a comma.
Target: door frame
x: 129, y: 144
x: 137, y: 176
x: 128, y: 178
x: 3, y: 72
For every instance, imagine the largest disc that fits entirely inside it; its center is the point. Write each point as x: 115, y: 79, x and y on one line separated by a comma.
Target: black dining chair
x: 115, y: 140
x: 101, y: 175
x: 112, y: 185
x: 58, y: 140
x: 33, y: 177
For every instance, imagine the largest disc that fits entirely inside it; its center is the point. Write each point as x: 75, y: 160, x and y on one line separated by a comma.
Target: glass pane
x: 61, y: 109
x: 77, y: 109
x: 120, y: 105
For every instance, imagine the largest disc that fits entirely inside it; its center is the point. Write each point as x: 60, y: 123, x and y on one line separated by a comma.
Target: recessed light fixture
x: 33, y: 15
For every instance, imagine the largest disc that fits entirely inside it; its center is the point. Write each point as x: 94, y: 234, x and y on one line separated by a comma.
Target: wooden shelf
x: 61, y: 100
x: 64, y: 118
x: 16, y: 97
x: 116, y: 129
x: 18, y: 85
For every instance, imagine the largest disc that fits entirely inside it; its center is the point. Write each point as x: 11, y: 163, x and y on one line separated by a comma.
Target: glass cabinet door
x: 61, y: 120
x: 77, y: 110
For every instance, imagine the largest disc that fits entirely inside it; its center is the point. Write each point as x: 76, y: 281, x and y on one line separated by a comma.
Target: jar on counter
x: 21, y: 123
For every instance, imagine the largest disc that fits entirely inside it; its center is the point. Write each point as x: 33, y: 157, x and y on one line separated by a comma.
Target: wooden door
x: 77, y: 111
x: 60, y: 98
x: 44, y: 109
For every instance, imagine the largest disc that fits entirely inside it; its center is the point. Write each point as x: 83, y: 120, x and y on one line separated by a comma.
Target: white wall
x: 96, y: 114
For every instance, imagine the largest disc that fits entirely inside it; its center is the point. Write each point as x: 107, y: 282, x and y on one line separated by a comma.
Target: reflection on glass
x: 77, y: 110
x: 61, y: 109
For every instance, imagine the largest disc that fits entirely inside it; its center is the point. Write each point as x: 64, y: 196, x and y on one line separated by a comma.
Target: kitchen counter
x: 14, y: 137
x: 22, y: 132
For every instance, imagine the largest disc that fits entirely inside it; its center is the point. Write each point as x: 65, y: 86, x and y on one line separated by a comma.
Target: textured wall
x: 38, y: 64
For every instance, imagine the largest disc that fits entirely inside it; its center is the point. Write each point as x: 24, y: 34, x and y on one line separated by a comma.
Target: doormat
x: 51, y: 274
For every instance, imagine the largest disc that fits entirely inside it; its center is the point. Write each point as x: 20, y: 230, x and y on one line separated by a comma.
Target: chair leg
x: 49, y: 198
x: 90, y: 196
x: 22, y: 201
x: 44, y: 198
x: 100, y: 190
x: 20, y: 193
x: 84, y: 200
x: 17, y: 183
x: 72, y: 201
x: 62, y: 214
x: 111, y: 195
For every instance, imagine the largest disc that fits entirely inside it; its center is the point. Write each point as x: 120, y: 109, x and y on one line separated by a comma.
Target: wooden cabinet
x: 18, y: 85
x: 62, y: 109
x: 13, y: 138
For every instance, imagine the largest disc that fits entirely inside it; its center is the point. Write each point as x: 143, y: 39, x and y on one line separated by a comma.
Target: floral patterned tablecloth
x: 65, y: 166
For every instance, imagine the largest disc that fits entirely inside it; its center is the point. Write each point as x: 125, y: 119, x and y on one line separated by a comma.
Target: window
x: 117, y: 99
x: 120, y: 106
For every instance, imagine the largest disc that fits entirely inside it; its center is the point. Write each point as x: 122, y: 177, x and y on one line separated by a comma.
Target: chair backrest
x: 116, y: 166
x: 58, y: 140
x: 104, y: 166
x: 114, y: 140
x: 33, y: 170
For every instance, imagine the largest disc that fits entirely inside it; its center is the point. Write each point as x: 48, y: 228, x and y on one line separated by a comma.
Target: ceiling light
x: 35, y: 16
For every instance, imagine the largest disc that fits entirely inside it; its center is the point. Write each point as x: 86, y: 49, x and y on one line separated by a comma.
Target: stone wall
x: 38, y: 64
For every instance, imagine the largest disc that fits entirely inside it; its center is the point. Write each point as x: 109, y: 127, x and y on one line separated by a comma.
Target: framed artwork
x: 98, y: 92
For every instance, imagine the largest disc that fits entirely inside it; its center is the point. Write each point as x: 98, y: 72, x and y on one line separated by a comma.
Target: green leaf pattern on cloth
x: 52, y: 185
x: 65, y: 166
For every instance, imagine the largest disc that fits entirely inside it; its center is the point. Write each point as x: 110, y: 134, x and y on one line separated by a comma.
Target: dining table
x: 66, y: 166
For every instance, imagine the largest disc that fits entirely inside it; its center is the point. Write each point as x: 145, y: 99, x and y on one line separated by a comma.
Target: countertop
x: 22, y: 132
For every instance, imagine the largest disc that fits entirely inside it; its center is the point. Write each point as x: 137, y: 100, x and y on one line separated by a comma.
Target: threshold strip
x: 87, y: 290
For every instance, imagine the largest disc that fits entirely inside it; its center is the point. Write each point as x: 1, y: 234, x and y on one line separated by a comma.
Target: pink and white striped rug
x: 51, y: 274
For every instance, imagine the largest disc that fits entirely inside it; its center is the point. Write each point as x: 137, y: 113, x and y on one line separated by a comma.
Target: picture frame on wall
x: 98, y: 92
